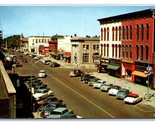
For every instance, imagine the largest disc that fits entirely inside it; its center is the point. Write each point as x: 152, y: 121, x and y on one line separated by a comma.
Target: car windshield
x: 56, y: 113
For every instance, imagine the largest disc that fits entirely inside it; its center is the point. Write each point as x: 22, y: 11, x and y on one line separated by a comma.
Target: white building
x: 35, y: 41
x: 64, y: 44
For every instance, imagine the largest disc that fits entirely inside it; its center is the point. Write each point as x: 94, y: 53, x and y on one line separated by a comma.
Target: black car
x: 88, y: 78
x: 54, y: 64
x: 84, y: 76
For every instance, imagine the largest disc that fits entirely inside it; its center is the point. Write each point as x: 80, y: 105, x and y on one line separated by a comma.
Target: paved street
x: 84, y: 100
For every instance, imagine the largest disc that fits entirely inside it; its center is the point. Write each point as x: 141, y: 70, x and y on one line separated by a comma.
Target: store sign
x: 127, y: 60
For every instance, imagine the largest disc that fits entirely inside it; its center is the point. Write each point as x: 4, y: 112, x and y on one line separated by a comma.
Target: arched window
x: 147, y: 52
x: 107, y: 50
x: 119, y: 51
x: 122, y: 51
x: 130, y: 32
x: 112, y: 33
x: 123, y: 36
x: 141, y: 51
x: 127, y: 35
x: 137, y: 52
x: 120, y: 33
x: 147, y: 31
x: 116, y: 33
x: 142, y: 32
x: 137, y: 32
x: 116, y: 51
x: 112, y: 50
x: 104, y: 50
x: 101, y: 34
x: 104, y: 34
x: 130, y: 51
x: 107, y: 34
x: 127, y: 49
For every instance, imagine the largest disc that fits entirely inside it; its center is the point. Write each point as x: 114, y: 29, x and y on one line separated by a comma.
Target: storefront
x: 127, y: 67
x: 114, y: 67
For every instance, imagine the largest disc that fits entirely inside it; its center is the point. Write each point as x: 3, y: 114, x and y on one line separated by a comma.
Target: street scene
x: 107, y: 75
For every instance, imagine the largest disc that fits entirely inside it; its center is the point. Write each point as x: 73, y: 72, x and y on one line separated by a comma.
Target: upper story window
x: 107, y: 34
x: 101, y: 34
x: 142, y: 32
x: 147, y: 31
x: 116, y: 31
x: 127, y: 35
x: 112, y: 33
x: 137, y: 32
x: 130, y: 32
x: 123, y: 33
x: 120, y: 33
x: 104, y: 34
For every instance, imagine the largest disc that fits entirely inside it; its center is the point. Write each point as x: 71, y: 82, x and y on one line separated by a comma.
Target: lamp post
x: 149, y: 72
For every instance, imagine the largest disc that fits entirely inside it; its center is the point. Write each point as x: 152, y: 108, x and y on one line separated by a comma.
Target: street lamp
x: 149, y: 72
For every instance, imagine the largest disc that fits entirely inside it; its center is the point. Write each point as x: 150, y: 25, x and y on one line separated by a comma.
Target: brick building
x: 128, y: 41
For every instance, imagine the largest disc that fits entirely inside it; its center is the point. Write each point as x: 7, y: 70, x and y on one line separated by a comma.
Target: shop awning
x: 138, y: 73
x: 114, y: 67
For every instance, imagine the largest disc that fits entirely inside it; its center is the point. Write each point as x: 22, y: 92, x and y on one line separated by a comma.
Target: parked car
x: 42, y: 93
x: 92, y: 81
x: 122, y: 93
x: 54, y: 64
x: 42, y: 74
x: 60, y: 112
x: 106, y: 87
x: 114, y: 89
x: 84, y: 76
x: 133, y: 98
x: 56, y: 104
x: 75, y: 73
x: 46, y: 111
x: 88, y: 78
x: 98, y: 84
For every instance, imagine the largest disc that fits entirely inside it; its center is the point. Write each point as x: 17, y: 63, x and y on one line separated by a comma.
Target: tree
x: 13, y: 41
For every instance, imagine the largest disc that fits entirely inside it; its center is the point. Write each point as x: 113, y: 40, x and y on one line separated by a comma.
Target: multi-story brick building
x: 128, y: 41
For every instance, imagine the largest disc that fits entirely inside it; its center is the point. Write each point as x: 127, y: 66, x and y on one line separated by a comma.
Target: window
x: 147, y: 52
x: 130, y: 32
x: 107, y: 34
x: 101, y: 34
x: 130, y: 50
x: 141, y: 51
x: 137, y: 32
x: 113, y: 34
x: 119, y: 51
x: 142, y: 32
x: 127, y: 35
x: 127, y: 49
x: 104, y: 49
x: 123, y: 51
x: 104, y: 34
x: 116, y: 32
x: 112, y: 50
x: 115, y: 51
x: 137, y: 52
x: 123, y: 36
x: 85, y: 57
x: 120, y: 33
x: 147, y: 31
x: 107, y: 50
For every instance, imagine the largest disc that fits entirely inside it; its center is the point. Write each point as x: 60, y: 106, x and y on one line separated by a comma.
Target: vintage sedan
x: 106, y: 87
x: 75, y: 73
x: 122, y: 93
x: 133, y: 98
x: 98, y: 84
x: 42, y: 74
x: 60, y: 112
x: 114, y: 90
x: 92, y: 81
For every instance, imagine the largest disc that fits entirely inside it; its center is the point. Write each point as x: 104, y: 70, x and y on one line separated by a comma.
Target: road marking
x: 82, y: 97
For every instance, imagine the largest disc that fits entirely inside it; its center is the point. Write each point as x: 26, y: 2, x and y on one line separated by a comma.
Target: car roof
x: 59, y: 109
x: 133, y: 95
x: 42, y: 70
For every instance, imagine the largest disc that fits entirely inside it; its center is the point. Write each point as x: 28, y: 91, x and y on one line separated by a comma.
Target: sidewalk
x: 135, y: 88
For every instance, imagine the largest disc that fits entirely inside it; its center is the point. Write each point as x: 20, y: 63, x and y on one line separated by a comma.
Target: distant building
x: 83, y: 49
x: 34, y: 42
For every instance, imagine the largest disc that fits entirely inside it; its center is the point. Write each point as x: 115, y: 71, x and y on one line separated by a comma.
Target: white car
x: 98, y: 84
x: 114, y: 90
x: 106, y: 87
x: 42, y: 94
x: 42, y: 74
x: 133, y: 98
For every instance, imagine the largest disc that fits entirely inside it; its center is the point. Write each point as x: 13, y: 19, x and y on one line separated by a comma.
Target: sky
x: 49, y: 20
